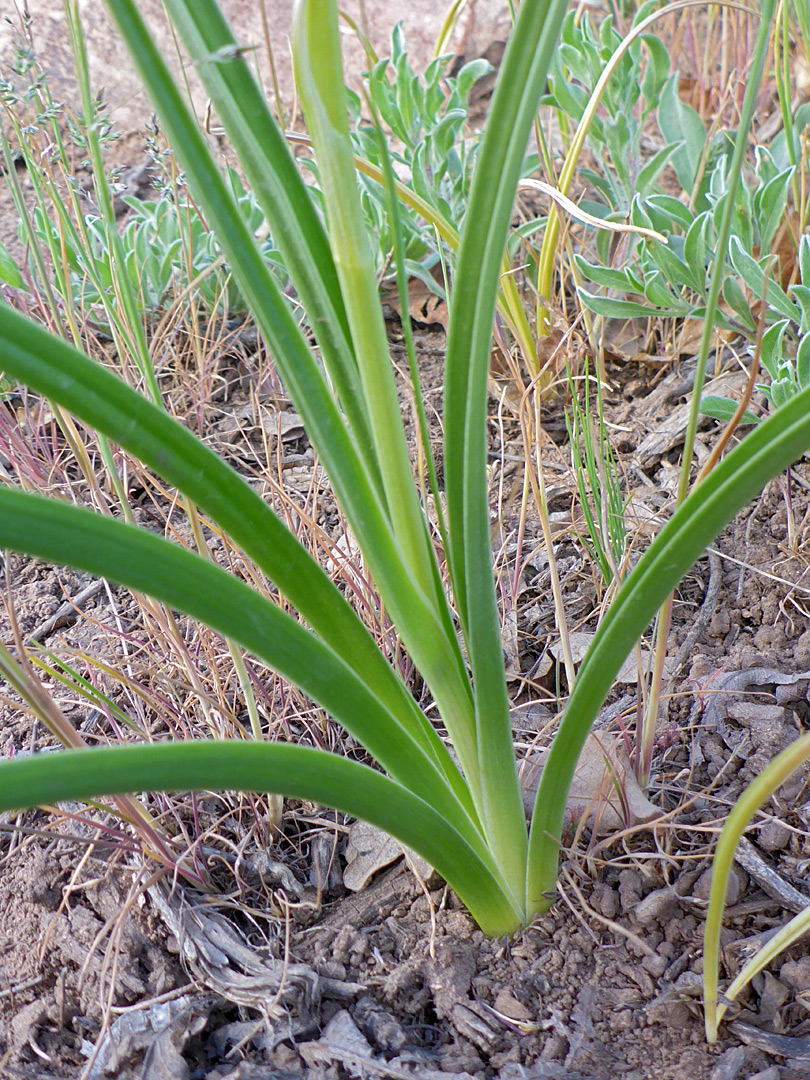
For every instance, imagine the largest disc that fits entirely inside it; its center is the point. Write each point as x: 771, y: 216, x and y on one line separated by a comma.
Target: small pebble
x: 773, y: 836
x: 703, y: 886
x: 656, y: 907
x: 655, y: 965
x: 796, y: 974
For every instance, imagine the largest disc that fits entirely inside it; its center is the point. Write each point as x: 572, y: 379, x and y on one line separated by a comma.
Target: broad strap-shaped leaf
x: 61, y: 533
x: 520, y: 85
x: 64, y: 375
x: 280, y: 191
x: 411, y: 599
x: 773, y: 445
x: 319, y: 78
x: 295, y: 771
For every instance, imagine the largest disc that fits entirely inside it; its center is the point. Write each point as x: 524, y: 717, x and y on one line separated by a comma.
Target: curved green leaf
x: 319, y: 78
x: 626, y: 309
x: 752, y: 799
x: 62, y: 374
x: 774, y: 445
x: 296, y: 771
x: 287, y: 205
x: 520, y: 84
x: 720, y: 408
x: 62, y: 533
x: 425, y: 628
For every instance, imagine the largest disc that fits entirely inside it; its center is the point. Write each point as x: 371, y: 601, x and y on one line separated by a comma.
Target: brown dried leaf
x: 425, y: 308
x: 628, y: 674
x: 370, y: 850
x: 604, y: 791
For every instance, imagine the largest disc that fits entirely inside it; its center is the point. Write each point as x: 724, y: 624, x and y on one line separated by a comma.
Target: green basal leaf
x: 739, y: 303
x: 679, y: 123
x: 654, y: 166
x: 609, y: 278
x: 60, y: 373
x: 803, y: 362
x: 9, y: 271
x: 695, y: 250
x: 769, y: 206
x: 61, y: 533
x: 625, y: 309
x: 771, y: 447
x: 275, y: 180
x: 772, y: 348
x: 753, y: 276
x: 297, y: 771
x: 801, y: 294
x: 430, y: 637
x: 720, y: 408
x: 527, y: 60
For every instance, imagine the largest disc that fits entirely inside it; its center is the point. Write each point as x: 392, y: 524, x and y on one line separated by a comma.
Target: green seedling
x: 165, y: 244
x: 599, y: 487
x: 751, y: 800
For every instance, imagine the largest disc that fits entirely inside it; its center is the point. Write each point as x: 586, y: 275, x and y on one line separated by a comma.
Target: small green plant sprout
x: 599, y: 486
x: 165, y: 245
x: 751, y: 800
x: 463, y: 811
x: 784, y: 351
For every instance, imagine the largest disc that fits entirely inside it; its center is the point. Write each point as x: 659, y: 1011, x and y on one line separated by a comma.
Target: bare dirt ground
x: 110, y: 969
x: 113, y: 74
